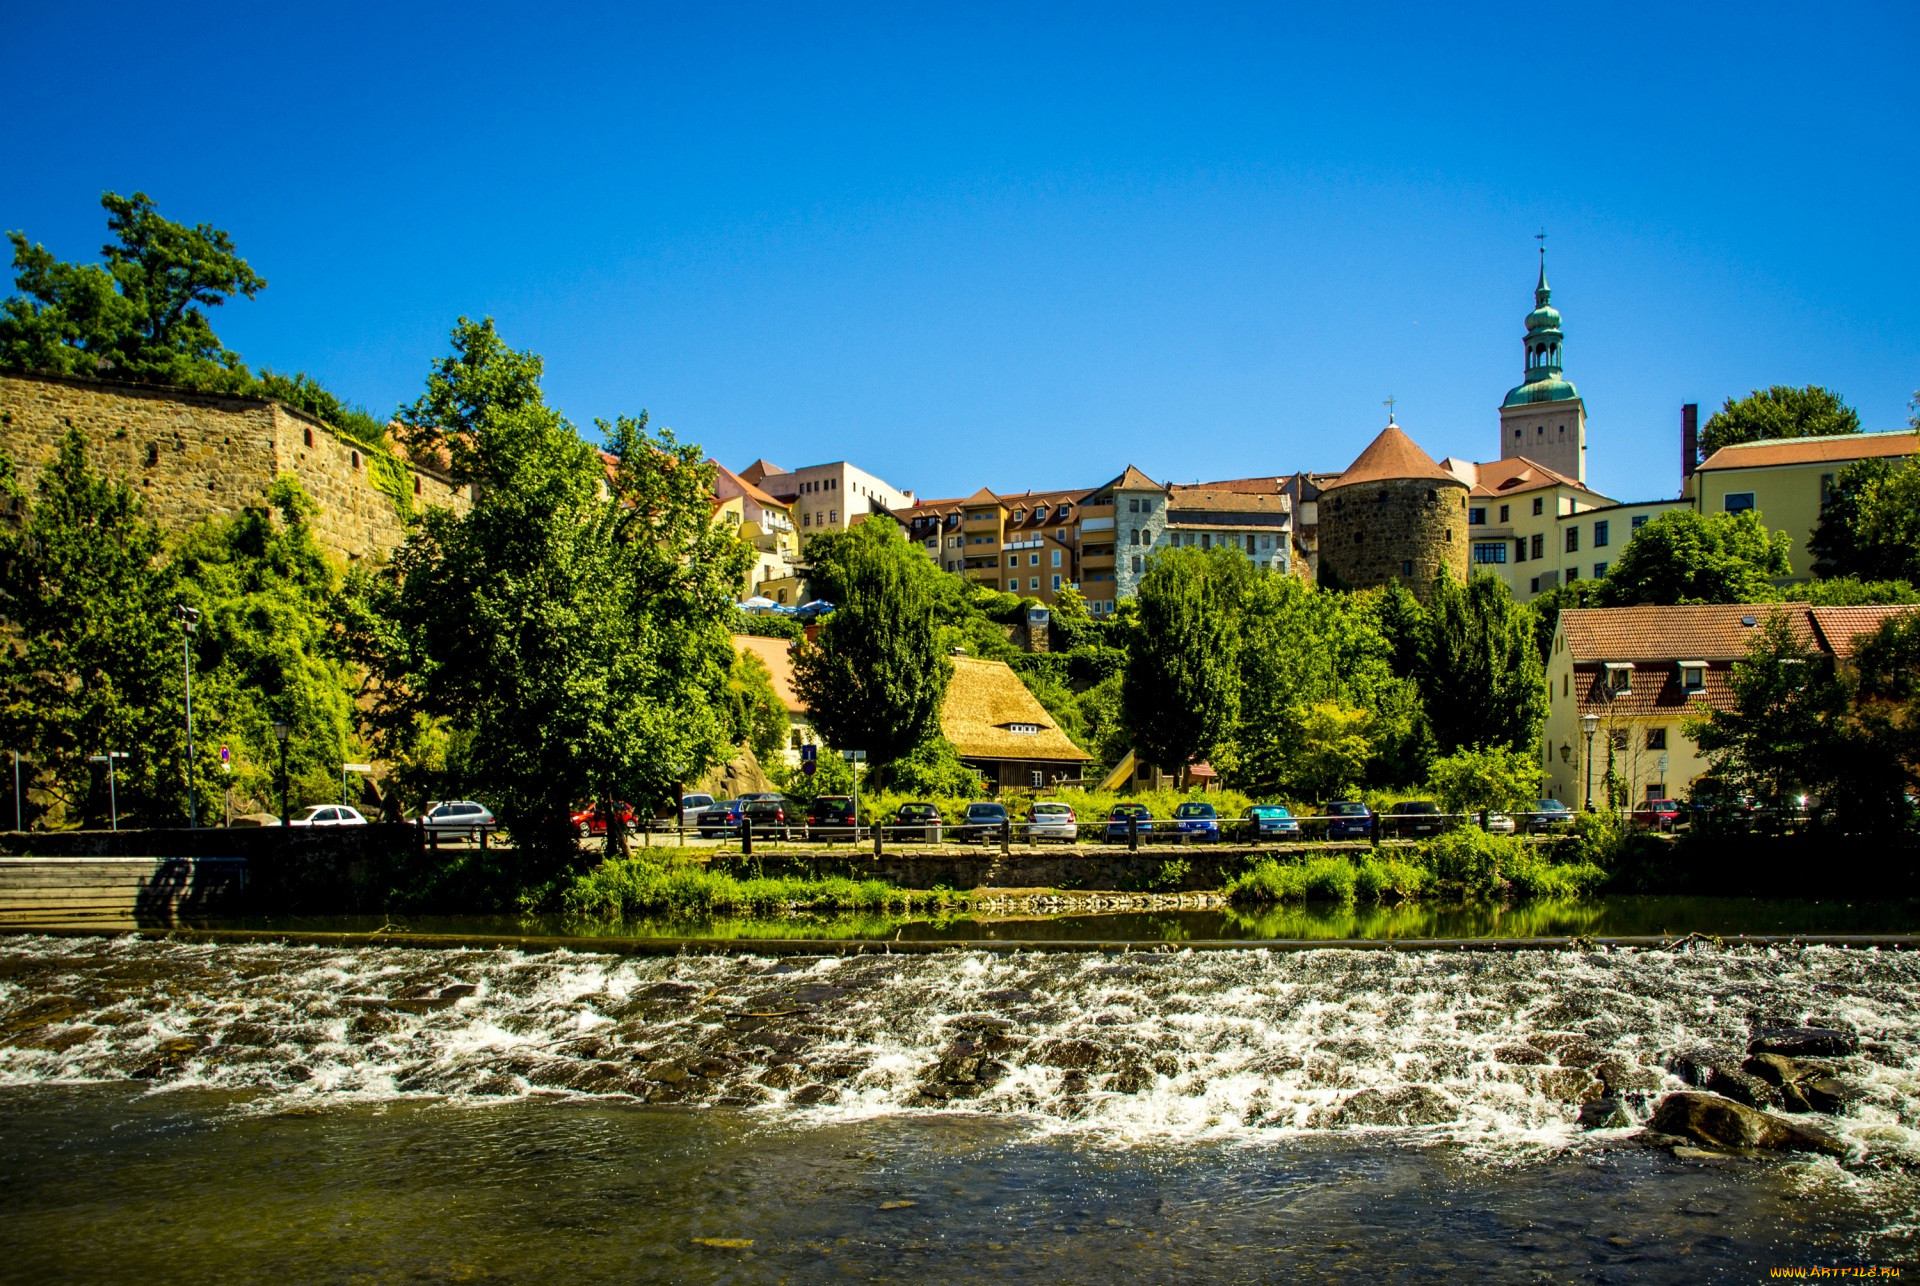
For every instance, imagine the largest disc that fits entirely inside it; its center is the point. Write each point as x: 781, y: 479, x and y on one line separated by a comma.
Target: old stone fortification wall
x: 192, y: 456
x: 1369, y: 532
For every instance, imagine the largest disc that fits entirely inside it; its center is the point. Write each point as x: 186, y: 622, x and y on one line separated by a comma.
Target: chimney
x: 1689, y: 441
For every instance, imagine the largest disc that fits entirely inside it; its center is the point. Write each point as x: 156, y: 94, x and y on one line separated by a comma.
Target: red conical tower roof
x: 1391, y: 457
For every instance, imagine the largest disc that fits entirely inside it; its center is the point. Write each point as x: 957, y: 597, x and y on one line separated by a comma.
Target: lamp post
x: 113, y: 799
x: 18, y: 811
x: 189, y: 618
x: 1588, y: 724
x: 280, y: 730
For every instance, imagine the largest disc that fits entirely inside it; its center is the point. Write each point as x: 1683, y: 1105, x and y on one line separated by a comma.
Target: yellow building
x: 1787, y: 480
x: 1638, y: 672
x: 765, y: 523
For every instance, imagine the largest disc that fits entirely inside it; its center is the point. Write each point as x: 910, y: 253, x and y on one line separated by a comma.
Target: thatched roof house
x: 1002, y: 730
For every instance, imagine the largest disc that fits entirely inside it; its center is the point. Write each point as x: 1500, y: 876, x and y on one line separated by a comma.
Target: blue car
x: 1271, y: 821
x: 1197, y: 819
x: 1117, y: 821
x: 1351, y: 820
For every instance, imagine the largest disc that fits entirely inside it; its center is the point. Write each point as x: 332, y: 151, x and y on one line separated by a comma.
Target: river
x: 174, y: 1111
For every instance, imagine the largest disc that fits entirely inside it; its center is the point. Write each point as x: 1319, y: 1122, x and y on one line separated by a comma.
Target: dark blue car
x: 1117, y: 821
x: 1197, y: 819
x: 1351, y: 820
x: 1271, y: 821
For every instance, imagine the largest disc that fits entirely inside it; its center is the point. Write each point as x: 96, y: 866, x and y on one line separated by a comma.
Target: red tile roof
x: 1512, y: 476
x: 1691, y: 632
x: 1655, y: 691
x: 1392, y: 456
x: 1840, y: 627
x: 1825, y: 450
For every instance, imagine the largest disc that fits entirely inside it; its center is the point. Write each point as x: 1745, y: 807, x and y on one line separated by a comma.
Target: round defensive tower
x: 1393, y: 515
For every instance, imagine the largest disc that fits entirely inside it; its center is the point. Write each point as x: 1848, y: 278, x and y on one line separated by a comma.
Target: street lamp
x: 189, y: 618
x: 113, y: 800
x: 280, y: 730
x: 1588, y: 724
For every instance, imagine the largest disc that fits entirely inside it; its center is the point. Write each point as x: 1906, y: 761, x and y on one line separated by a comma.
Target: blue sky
x: 1021, y: 248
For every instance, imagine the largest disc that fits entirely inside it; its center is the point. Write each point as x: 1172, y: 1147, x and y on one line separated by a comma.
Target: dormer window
x: 1024, y: 729
x: 1019, y: 515
x: 1693, y: 676
x: 1619, y: 678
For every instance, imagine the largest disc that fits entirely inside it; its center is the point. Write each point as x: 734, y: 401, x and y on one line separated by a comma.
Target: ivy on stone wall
x: 393, y: 478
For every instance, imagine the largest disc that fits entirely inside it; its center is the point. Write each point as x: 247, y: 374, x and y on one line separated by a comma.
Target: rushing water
x: 170, y: 1111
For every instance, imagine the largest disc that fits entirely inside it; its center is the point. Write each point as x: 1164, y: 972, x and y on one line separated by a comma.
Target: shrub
x: 670, y: 882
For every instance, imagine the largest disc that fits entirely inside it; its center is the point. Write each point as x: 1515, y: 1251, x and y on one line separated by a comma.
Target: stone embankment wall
x: 192, y: 456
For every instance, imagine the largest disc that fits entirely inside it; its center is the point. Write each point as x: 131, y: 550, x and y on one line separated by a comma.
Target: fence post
x: 1133, y: 832
x: 746, y: 835
x: 879, y: 845
x: 1483, y: 821
x: 1006, y: 834
x: 1373, y: 836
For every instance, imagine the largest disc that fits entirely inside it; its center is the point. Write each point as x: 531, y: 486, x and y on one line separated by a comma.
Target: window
x: 1133, y: 506
x: 1739, y: 502
x: 1573, y: 540
x: 1056, y: 558
x: 1599, y: 570
x: 1535, y: 587
x: 1013, y: 584
x: 833, y: 515
x: 1206, y: 540
x: 1505, y: 510
x: 1826, y: 489
x: 1249, y: 542
x: 1618, y: 739
x: 1476, y: 517
x: 1693, y: 677
x: 1133, y: 537
x: 1033, y: 582
x: 1619, y: 677
x: 1489, y: 551
x: 1056, y: 584
x: 1519, y: 549
x: 356, y: 459
x: 1019, y: 515
x: 1266, y: 542
x: 1539, y: 547
x: 1039, y: 779
x: 1600, y: 534
x: 1656, y: 738
x: 309, y: 435
x: 1406, y: 569
x: 1136, y: 564
x: 806, y: 519
x: 1146, y: 536
x: 1639, y: 521
x: 1539, y: 505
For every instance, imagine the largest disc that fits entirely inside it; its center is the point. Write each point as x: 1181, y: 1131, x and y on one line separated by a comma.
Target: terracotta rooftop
x: 1690, y: 632
x: 752, y: 492
x: 1254, y: 486
x: 1840, y: 627
x: 760, y: 470
x: 1826, y: 450
x: 1134, y: 480
x: 1510, y: 476
x: 982, y: 497
x: 1217, y: 500
x: 774, y: 655
x: 1391, y: 457
x: 986, y: 697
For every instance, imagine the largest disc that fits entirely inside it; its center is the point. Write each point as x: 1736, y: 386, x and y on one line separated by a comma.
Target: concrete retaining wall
x: 117, y: 892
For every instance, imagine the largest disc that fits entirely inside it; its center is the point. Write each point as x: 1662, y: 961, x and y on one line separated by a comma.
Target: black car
x: 831, y: 817
x: 1549, y: 815
x: 769, y: 817
x: 916, y: 822
x: 1411, y: 817
x: 982, y: 823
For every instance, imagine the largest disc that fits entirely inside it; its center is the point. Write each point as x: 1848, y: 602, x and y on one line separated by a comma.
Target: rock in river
x: 1803, y: 1042
x: 1722, y: 1123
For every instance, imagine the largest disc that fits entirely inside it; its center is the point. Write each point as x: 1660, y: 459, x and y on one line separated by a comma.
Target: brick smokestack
x: 1689, y: 441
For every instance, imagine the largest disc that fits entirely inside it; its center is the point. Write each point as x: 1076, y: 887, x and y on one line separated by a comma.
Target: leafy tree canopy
x: 1777, y: 734
x: 1778, y: 412
x: 1182, y: 690
x: 1497, y: 778
x: 1686, y: 557
x: 1870, y: 524
x: 1479, y: 669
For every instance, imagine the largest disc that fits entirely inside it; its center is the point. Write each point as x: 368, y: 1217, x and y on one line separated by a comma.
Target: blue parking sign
x: 809, y: 753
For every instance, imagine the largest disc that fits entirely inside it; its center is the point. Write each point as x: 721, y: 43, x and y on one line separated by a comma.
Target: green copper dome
x: 1544, y: 317
x: 1543, y: 381
x: 1550, y: 389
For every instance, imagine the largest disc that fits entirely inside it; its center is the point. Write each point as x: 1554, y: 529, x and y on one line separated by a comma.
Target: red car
x: 589, y: 822
x: 1657, y: 814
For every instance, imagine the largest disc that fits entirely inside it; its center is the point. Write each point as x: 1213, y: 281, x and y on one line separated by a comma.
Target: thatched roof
x: 985, y: 702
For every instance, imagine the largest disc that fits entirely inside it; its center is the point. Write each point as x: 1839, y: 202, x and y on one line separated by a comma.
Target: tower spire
x: 1541, y: 291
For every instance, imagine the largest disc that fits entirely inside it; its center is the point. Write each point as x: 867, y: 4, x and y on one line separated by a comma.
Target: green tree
x: 1497, y: 778
x: 575, y: 645
x: 1778, y: 412
x: 1182, y: 688
x: 1479, y: 671
x: 1874, y: 787
x: 1779, y: 735
x: 95, y: 664
x: 875, y: 677
x: 756, y: 715
x: 1870, y: 524
x: 1686, y: 557
x: 1331, y: 749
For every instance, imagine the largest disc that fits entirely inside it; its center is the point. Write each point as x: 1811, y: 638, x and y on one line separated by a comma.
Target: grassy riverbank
x: 671, y: 882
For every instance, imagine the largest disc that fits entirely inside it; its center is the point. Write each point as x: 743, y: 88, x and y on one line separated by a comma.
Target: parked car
x: 756, y: 795
x: 916, y: 822
x: 1549, y: 815
x: 588, y: 820
x: 1050, y: 820
x: 1351, y: 819
x: 1412, y: 817
x: 1657, y: 815
x: 769, y: 816
x: 691, y: 806
x: 722, y: 819
x: 982, y: 823
x: 1194, y: 818
x: 455, y: 815
x: 1499, y: 824
x: 1118, y: 823
x: 329, y: 815
x: 1270, y: 821
x: 831, y: 816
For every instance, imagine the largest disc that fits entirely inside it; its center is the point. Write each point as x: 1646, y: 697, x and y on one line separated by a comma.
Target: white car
x: 329, y: 815
x: 691, y: 806
x: 1499, y: 824
x: 1053, y: 821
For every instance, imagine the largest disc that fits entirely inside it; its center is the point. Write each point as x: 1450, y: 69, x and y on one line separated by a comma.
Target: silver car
x: 691, y: 806
x: 455, y: 815
x: 1053, y: 821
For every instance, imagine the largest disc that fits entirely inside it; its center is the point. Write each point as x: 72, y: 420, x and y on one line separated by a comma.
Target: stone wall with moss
x: 1402, y: 529
x: 192, y: 456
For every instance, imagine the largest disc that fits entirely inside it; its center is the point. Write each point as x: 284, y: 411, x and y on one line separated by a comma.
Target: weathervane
x: 1389, y: 405
x: 1541, y: 237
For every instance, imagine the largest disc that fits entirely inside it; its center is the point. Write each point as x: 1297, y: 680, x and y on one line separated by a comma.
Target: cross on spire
x: 1541, y: 237
x: 1389, y: 403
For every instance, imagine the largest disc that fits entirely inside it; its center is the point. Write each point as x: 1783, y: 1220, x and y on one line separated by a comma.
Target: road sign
x: 226, y: 760
x: 807, y: 766
x: 356, y: 767
x: 809, y: 752
x: 854, y: 756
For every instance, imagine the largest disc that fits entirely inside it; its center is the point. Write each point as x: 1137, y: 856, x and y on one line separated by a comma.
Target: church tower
x: 1543, y: 418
